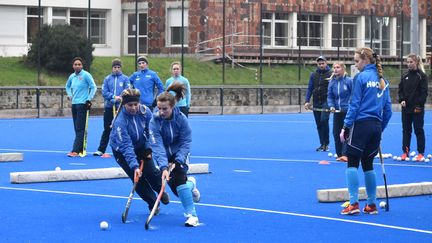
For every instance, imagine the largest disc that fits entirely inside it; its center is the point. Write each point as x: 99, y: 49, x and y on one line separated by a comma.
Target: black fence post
x: 299, y: 99
x: 221, y: 100
x: 38, y: 102
x: 17, y: 98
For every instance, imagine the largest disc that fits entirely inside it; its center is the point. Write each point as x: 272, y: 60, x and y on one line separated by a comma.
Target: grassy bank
x: 15, y: 73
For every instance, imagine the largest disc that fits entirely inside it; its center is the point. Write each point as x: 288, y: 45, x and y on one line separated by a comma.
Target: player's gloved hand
x: 307, y: 106
x: 88, y: 104
x: 165, y: 174
x: 137, y: 175
x: 148, y: 153
x: 344, y: 134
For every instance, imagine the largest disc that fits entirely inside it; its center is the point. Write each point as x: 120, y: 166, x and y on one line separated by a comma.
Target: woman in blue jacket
x: 112, y: 87
x: 368, y: 115
x: 171, y: 138
x: 339, y: 92
x: 130, y: 145
x: 80, y: 88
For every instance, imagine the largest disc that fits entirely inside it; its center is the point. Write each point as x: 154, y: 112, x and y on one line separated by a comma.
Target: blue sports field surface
x: 262, y: 188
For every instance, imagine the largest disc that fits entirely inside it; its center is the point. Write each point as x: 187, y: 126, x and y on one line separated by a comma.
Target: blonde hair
x: 367, y: 53
x: 342, y: 66
x: 418, y: 61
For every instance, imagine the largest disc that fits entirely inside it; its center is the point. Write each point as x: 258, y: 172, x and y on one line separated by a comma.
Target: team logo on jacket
x: 372, y: 84
x: 148, y: 76
x: 121, y: 84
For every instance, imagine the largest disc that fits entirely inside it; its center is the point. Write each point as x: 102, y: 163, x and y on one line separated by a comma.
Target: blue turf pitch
x: 262, y: 188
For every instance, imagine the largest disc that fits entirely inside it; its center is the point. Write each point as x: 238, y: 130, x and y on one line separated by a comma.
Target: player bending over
x: 130, y: 145
x: 171, y: 138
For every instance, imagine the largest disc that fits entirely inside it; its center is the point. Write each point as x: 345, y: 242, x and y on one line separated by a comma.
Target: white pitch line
x: 242, y: 171
x: 77, y: 164
x: 235, y: 207
x: 238, y: 158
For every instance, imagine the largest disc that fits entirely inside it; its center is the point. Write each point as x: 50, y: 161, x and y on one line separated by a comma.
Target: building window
x: 142, y: 33
x: 275, y: 29
x: 348, y: 31
x: 175, y: 26
x: 78, y: 19
x: 380, y: 29
x: 59, y: 16
x: 406, y: 36
x: 33, y: 23
x: 309, y: 30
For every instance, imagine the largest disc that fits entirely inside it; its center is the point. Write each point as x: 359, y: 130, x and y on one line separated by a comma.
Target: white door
x: 130, y: 31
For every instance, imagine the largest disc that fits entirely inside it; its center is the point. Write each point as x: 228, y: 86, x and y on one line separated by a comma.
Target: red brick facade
x: 205, y: 16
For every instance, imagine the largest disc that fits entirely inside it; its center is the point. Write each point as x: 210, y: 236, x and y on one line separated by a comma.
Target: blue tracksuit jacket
x: 113, y: 85
x: 368, y: 100
x: 170, y: 138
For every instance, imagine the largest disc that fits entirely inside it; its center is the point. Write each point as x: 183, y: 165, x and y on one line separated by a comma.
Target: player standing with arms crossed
x: 171, y: 138
x: 368, y: 115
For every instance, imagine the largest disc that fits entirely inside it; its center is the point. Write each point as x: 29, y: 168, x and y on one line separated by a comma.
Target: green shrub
x: 59, y: 44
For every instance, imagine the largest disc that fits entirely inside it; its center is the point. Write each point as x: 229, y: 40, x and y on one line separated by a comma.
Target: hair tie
x: 374, y: 55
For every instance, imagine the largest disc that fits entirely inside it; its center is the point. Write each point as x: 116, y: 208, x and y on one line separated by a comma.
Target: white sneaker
x: 191, y: 221
x: 195, y: 193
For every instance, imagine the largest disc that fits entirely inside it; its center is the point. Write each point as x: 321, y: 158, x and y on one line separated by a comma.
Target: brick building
x: 330, y: 27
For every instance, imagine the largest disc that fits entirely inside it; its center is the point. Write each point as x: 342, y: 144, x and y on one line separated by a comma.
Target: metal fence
x: 53, y: 101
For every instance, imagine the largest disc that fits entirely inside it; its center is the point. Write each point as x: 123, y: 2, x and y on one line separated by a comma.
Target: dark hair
x: 130, y: 95
x: 78, y: 59
x: 178, y: 88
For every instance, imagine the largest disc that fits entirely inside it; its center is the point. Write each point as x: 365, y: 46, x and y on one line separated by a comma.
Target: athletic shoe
x: 98, y: 153
x: 191, y: 221
x: 195, y: 193
x: 72, y: 154
x: 320, y: 148
x: 404, y: 156
x: 106, y: 156
x: 351, y: 209
x: 326, y: 148
x: 420, y: 158
x: 343, y: 158
x: 370, y: 209
x: 165, y: 198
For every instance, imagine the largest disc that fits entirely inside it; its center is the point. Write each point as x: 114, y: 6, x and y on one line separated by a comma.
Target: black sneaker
x: 165, y: 198
x: 326, y: 148
x: 320, y: 148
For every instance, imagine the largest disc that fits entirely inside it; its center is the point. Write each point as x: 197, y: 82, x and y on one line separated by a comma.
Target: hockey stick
x: 326, y: 110
x: 152, y: 213
x: 84, y: 151
x: 387, y: 207
x: 129, y: 201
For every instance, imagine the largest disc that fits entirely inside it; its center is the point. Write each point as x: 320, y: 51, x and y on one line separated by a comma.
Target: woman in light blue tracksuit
x: 171, y: 138
x: 368, y: 115
x: 339, y: 93
x: 80, y: 88
x: 183, y: 104
x: 130, y: 146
